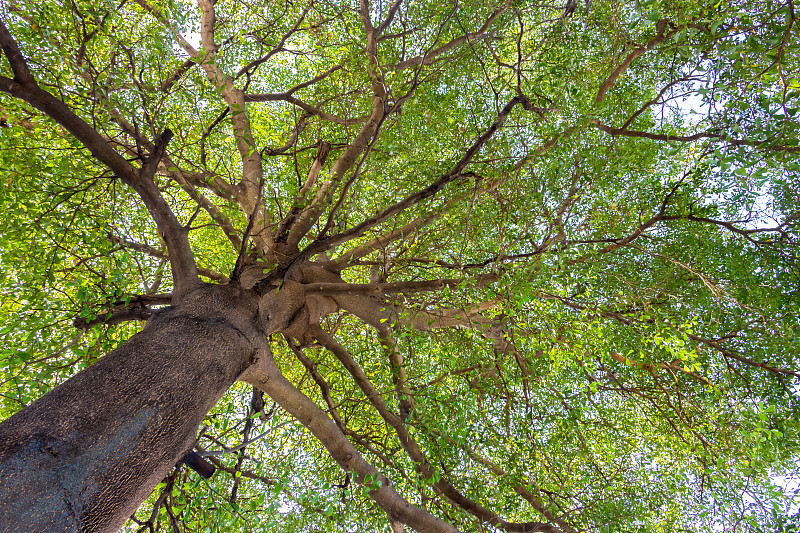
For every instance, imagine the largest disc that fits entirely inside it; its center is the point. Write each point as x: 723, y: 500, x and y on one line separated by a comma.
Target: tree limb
x: 458, y: 41
x: 727, y: 139
x: 265, y: 375
x: 286, y: 97
x: 350, y: 256
x: 421, y: 463
x: 431, y: 190
x: 155, y: 252
x: 184, y: 270
x: 660, y: 37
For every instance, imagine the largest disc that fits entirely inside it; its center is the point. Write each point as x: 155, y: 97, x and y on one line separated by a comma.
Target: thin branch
x: 299, y: 220
x: 727, y: 139
x: 712, y: 343
x: 324, y: 388
x: 349, y: 257
x: 296, y: 131
x: 419, y: 196
x: 167, y: 84
x: 286, y: 97
x: 520, y: 489
x: 252, y: 65
x: 651, y: 367
x: 458, y: 41
x: 213, y: 211
x: 405, y: 287
x: 161, y: 254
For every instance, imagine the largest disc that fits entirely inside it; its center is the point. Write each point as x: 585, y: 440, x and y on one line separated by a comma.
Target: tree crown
x: 546, y: 254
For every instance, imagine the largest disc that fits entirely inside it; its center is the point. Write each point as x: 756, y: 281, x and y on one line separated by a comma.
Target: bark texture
x: 84, y: 457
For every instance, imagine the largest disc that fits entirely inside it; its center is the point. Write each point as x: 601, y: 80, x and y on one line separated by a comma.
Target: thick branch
x: 15, y: 58
x: 266, y: 376
x: 251, y: 158
x: 184, y: 270
x: 390, y: 16
x: 405, y: 400
x: 612, y: 79
x: 299, y: 220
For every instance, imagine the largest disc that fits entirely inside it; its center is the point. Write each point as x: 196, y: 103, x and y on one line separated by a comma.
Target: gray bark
x: 84, y: 456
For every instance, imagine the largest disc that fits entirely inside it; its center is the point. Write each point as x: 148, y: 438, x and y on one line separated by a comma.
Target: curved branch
x: 265, y: 375
x: 299, y: 220
x: 252, y: 171
x: 651, y: 367
x: 711, y: 343
x: 184, y: 270
x: 520, y: 489
x: 296, y: 131
x: 458, y: 41
x: 287, y: 97
x: 251, y: 66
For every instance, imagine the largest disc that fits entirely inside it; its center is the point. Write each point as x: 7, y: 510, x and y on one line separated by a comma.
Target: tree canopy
x: 557, y: 258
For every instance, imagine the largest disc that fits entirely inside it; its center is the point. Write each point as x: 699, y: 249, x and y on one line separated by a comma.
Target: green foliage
x: 645, y: 377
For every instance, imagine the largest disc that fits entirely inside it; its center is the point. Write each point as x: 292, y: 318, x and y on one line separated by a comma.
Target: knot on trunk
x: 290, y: 311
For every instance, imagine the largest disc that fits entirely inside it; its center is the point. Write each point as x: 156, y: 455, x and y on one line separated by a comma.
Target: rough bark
x: 84, y: 456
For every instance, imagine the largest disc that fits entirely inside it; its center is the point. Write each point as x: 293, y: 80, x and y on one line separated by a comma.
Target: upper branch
x: 415, y: 198
x: 251, y: 66
x: 361, y: 143
x: 234, y: 98
x: 766, y: 144
x: 383, y: 240
x: 287, y: 97
x: 428, y: 57
x: 612, y: 79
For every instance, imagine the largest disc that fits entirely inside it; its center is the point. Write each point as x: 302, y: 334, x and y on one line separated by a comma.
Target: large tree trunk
x: 84, y: 456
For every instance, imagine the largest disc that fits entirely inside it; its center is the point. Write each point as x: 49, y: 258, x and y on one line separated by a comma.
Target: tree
x: 472, y: 266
